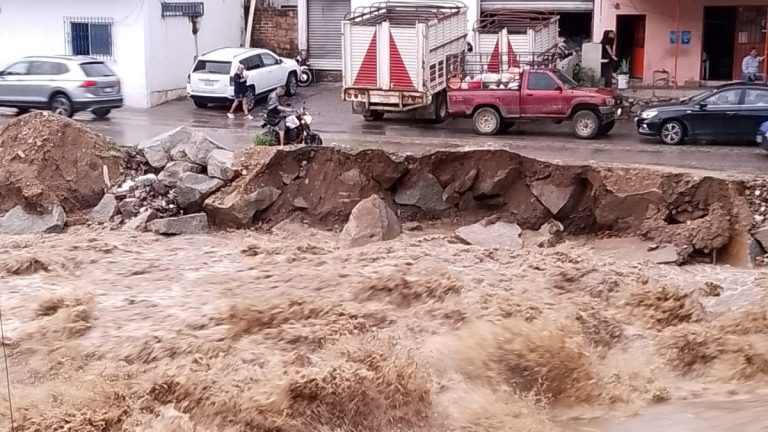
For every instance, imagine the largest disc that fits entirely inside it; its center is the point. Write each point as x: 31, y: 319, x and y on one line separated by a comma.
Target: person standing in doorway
x: 241, y: 87
x: 608, y: 59
x: 750, y: 66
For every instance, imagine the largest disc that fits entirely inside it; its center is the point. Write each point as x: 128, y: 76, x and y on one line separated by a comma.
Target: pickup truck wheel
x: 672, y: 133
x: 291, y: 85
x: 486, y: 121
x: 374, y: 116
x: 200, y: 104
x: 606, y: 128
x: 586, y: 125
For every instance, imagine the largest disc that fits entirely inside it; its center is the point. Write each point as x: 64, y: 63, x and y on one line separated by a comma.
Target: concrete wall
x: 275, y: 27
x: 173, y: 46
x: 660, y: 20
x: 39, y: 30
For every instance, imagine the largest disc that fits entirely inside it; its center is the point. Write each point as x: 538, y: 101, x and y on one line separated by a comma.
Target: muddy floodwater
x: 285, y: 331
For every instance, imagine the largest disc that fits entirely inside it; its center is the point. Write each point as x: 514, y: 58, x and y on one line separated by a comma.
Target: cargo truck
x: 397, y: 55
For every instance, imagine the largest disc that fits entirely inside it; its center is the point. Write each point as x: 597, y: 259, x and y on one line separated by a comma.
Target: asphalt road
x: 339, y: 126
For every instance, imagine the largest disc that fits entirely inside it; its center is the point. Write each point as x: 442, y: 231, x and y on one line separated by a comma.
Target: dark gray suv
x: 63, y: 84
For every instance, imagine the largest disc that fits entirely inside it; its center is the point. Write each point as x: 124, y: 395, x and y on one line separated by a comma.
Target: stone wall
x: 276, y: 28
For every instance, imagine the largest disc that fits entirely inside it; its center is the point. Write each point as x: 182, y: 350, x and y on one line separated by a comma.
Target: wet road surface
x: 339, y: 126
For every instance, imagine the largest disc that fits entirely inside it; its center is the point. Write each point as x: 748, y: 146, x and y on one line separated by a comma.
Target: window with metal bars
x: 89, y: 36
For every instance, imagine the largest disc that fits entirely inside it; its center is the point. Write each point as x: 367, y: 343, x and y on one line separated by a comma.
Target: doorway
x: 630, y: 42
x: 718, y: 43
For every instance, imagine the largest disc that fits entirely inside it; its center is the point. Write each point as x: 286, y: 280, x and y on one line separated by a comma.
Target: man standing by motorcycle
x: 275, y: 112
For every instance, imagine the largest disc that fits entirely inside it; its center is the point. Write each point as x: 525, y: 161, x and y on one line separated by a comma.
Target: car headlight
x: 610, y: 102
x: 648, y: 114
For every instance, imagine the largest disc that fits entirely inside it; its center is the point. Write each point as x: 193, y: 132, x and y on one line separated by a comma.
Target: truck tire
x: 374, y: 116
x: 606, y: 127
x: 486, y: 121
x: 441, y: 107
x: 586, y: 125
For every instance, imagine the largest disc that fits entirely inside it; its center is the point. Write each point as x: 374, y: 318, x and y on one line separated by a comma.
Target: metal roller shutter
x: 324, y: 19
x: 542, y: 5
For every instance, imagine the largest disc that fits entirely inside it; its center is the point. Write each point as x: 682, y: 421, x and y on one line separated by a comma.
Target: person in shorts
x: 241, y: 87
x: 275, y: 111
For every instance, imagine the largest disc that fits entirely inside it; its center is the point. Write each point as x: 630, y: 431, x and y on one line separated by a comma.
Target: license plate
x: 109, y: 90
x: 209, y: 83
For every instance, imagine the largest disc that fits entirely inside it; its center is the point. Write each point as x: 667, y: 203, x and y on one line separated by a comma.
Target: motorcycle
x: 298, y: 130
x: 305, y: 74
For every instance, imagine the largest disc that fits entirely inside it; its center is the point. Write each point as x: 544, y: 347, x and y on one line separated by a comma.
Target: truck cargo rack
x: 403, y: 13
x: 476, y: 66
x: 515, y: 21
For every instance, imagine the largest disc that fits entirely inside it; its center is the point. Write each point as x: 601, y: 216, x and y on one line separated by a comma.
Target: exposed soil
x: 47, y: 159
x: 695, y: 213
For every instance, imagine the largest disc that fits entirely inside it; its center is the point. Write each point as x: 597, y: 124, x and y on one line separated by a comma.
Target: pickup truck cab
x: 496, y: 101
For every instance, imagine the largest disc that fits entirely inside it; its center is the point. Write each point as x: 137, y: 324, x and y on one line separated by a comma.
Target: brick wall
x: 275, y: 28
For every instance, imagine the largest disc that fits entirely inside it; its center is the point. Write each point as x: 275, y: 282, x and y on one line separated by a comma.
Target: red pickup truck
x: 496, y: 101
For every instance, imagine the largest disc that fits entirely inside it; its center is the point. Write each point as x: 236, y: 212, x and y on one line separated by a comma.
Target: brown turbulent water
x: 243, y: 331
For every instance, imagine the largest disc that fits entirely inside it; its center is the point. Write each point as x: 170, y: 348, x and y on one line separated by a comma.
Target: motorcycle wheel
x: 313, y: 139
x: 305, y: 78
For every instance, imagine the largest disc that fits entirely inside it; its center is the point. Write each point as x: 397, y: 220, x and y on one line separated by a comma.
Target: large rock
x: 221, y: 164
x: 665, y: 254
x: 172, y: 173
x: 189, y: 224
x: 494, y: 184
x: 19, y: 222
x: 491, y: 235
x: 140, y: 221
x: 195, y: 150
x: 461, y: 185
x: 193, y: 189
x: 761, y: 235
x: 424, y: 192
x: 370, y: 221
x: 157, y: 150
x: 129, y: 208
x: 104, y: 211
x: 552, y: 196
x: 236, y: 209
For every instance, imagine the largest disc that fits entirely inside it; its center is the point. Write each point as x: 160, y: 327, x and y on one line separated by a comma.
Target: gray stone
x: 157, y: 150
x: 173, y: 171
x: 387, y: 176
x: 761, y: 235
x: 352, y: 177
x: 424, y: 192
x: 129, y: 208
x: 300, y: 203
x: 549, y: 235
x: 236, y: 209
x: 491, y: 235
x: 19, y: 222
x: 490, y: 186
x: 195, y: 150
x: 104, y: 211
x: 665, y: 254
x: 139, y: 222
x: 190, y: 224
x: 370, y: 221
x: 552, y: 196
x: 221, y: 164
x: 193, y: 189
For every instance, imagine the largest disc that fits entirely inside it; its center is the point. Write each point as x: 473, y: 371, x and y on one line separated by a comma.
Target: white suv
x: 210, y: 81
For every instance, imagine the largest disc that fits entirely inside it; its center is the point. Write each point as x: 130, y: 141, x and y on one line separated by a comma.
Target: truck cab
x: 496, y: 101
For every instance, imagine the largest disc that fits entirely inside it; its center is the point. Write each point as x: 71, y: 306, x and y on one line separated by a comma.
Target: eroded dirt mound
x: 48, y: 159
x: 697, y: 214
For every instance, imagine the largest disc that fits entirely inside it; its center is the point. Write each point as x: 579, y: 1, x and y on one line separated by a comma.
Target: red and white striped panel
x: 403, y: 58
x: 363, y: 56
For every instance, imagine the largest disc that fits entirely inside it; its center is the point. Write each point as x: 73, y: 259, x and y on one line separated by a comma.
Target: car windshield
x: 212, y: 67
x: 95, y: 70
x: 566, y: 80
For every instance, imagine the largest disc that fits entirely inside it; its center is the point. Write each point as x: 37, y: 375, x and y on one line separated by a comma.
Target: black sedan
x: 731, y: 112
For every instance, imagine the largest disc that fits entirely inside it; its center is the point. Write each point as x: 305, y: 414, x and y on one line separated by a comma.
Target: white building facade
x: 151, y: 44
